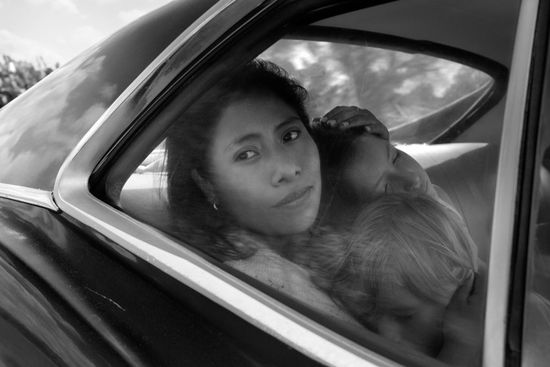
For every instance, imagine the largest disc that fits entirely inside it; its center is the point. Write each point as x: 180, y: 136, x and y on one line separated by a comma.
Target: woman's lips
x: 295, y: 197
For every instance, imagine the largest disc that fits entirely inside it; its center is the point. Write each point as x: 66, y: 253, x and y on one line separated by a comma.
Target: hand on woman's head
x: 350, y: 120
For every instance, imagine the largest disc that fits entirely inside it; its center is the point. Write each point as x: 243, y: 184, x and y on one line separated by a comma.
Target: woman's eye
x: 246, y: 155
x: 291, y: 136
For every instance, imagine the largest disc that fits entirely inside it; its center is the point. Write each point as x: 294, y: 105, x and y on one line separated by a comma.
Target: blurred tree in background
x: 17, y: 76
x: 397, y: 87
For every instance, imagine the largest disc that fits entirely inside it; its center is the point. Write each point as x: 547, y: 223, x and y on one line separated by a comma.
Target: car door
x: 231, y: 34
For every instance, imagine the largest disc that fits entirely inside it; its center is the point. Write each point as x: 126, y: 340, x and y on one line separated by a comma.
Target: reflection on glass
x: 42, y: 126
x: 32, y: 312
x: 397, y: 87
x: 363, y: 238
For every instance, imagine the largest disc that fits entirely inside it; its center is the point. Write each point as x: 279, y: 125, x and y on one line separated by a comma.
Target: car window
x: 406, y: 90
x: 293, y: 194
x: 264, y: 173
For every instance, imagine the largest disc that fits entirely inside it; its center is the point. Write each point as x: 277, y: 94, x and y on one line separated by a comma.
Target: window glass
x: 144, y: 194
x: 399, y: 88
x: 337, y: 201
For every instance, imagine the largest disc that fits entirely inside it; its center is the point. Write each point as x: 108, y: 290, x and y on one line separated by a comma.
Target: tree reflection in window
x: 397, y: 87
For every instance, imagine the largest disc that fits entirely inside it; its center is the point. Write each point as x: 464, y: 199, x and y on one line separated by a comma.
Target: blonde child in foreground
x: 397, y: 270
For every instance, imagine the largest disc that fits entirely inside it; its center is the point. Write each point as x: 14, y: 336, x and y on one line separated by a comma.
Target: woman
x: 247, y: 182
x: 245, y: 159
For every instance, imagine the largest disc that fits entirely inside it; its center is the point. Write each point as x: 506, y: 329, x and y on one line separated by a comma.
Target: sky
x: 58, y: 30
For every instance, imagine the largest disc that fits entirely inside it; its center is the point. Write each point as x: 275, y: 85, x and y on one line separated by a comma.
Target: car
x: 90, y: 272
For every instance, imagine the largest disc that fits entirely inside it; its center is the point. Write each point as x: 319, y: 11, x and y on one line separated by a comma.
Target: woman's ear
x: 206, y: 187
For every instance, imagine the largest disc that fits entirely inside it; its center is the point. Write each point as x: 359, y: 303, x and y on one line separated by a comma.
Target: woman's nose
x: 405, y: 181
x: 285, y: 171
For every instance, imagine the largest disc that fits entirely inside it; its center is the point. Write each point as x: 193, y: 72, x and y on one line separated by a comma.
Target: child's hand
x: 351, y: 119
x: 463, y: 322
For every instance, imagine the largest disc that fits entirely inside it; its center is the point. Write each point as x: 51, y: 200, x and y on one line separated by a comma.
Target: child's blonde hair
x: 404, y: 240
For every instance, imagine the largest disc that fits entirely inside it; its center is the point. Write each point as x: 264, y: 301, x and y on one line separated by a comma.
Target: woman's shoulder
x: 291, y: 280
x: 272, y: 269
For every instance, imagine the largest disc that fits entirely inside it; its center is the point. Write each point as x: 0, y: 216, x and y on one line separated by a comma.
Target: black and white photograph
x: 275, y: 183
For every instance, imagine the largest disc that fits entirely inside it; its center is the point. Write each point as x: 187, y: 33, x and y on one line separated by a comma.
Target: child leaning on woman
x: 397, y: 268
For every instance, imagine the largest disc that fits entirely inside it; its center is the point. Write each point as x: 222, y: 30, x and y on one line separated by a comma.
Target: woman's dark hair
x: 195, y: 220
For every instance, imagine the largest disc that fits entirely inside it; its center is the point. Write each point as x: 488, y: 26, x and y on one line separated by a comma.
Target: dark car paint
x: 55, y: 114
x: 83, y: 304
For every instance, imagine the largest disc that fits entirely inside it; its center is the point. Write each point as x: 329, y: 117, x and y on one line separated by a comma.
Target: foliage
x: 16, y: 76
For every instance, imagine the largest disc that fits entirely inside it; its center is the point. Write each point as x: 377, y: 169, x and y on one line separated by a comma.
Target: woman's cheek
x: 240, y: 188
x: 308, y: 153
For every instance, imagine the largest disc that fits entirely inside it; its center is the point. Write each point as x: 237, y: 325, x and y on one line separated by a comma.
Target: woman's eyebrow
x: 242, y: 139
x: 254, y: 136
x: 287, y: 121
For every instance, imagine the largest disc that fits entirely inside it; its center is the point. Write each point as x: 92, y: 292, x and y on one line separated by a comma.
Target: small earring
x: 215, y: 206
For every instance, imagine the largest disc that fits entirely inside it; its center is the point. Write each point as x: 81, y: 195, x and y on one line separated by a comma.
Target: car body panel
x: 82, y: 303
x: 72, y: 98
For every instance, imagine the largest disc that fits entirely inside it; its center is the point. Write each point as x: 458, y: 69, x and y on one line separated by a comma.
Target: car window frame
x: 507, y: 194
x: 536, y: 142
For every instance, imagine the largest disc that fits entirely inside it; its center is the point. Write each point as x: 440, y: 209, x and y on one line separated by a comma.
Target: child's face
x: 410, y: 320
x: 389, y: 171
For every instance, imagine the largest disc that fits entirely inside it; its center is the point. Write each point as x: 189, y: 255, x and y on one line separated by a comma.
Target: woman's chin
x: 288, y: 226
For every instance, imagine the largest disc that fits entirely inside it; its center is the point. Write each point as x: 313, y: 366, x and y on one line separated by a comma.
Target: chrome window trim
x: 269, y: 315
x: 28, y: 195
x: 72, y: 195
x: 506, y: 189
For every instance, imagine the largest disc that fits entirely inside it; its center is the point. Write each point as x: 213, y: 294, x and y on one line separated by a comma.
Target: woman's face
x: 265, y: 167
x: 376, y: 167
